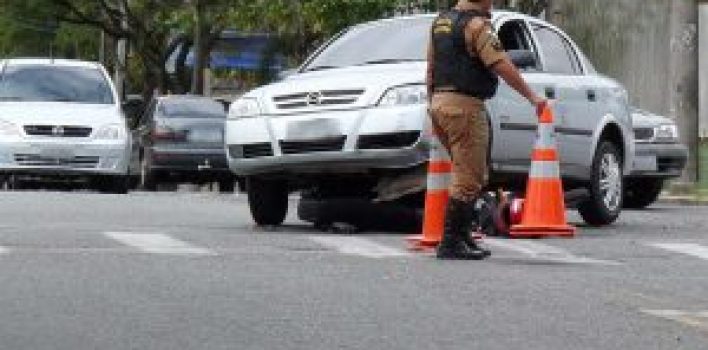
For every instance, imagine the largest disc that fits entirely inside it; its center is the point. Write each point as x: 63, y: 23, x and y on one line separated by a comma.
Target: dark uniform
x: 463, y: 49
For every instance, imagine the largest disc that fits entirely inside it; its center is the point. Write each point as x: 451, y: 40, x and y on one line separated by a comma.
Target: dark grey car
x: 180, y: 138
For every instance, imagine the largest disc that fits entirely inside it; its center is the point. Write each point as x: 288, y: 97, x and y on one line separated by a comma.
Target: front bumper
x: 328, y: 141
x: 661, y: 160
x: 189, y: 161
x: 64, y: 157
x: 332, y: 162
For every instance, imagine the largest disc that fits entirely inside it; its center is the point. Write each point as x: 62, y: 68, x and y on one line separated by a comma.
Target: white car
x: 354, y: 114
x: 62, y: 118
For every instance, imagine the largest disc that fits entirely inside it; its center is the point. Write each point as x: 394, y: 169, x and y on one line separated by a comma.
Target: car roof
x: 496, y: 14
x: 49, y: 61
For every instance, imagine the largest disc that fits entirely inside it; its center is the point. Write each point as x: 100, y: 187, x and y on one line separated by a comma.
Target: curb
x: 684, y: 200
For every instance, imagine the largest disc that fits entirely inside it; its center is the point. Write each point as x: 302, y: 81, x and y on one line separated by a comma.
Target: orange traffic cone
x: 436, y: 197
x: 543, y: 213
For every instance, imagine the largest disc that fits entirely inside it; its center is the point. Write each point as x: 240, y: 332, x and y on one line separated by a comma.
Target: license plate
x: 645, y: 163
x: 57, y: 152
x: 210, y: 136
x: 312, y: 129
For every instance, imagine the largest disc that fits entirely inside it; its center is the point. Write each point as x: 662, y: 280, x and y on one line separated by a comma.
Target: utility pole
x: 121, y: 52
x: 198, y: 67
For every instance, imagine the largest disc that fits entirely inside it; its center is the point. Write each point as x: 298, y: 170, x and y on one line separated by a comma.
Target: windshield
x: 384, y: 42
x: 49, y: 83
x: 197, y: 108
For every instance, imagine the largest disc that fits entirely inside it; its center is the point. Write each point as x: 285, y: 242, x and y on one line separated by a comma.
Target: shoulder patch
x: 442, y: 26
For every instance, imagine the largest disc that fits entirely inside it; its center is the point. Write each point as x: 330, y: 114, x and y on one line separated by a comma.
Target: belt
x: 446, y: 89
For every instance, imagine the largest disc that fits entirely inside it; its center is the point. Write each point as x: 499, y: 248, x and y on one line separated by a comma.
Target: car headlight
x: 244, y: 107
x: 112, y: 132
x: 404, y: 95
x: 666, y: 133
x: 8, y: 129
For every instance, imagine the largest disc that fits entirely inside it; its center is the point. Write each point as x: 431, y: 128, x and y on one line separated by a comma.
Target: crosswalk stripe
x: 698, y: 319
x: 692, y: 249
x: 157, y: 243
x: 544, y: 252
x: 358, y: 246
x: 4, y: 250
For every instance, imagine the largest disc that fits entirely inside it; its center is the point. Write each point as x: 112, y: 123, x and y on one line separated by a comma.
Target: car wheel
x: 113, y: 184
x: 227, y: 185
x: 268, y: 201
x: 641, y: 193
x: 148, y: 180
x: 604, y: 204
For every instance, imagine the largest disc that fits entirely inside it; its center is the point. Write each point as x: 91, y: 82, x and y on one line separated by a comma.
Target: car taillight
x: 161, y: 133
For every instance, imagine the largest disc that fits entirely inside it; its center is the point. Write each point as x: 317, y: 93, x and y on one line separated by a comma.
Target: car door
x: 514, y: 119
x: 566, y: 83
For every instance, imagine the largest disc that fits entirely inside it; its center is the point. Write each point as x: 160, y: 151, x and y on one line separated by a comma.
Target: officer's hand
x: 540, y: 103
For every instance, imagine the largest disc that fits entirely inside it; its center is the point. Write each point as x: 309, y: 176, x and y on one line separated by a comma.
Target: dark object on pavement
x: 359, y: 214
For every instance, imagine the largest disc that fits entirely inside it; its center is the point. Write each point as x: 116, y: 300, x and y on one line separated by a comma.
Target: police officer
x: 465, y: 59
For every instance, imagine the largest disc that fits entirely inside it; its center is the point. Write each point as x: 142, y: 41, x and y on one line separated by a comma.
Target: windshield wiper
x: 11, y: 98
x: 390, y: 61
x: 313, y: 69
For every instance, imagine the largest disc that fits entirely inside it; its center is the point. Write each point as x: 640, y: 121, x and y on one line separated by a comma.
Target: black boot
x: 457, y: 226
x: 471, y: 221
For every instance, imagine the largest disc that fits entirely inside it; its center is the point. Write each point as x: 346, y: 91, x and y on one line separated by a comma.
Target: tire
x: 641, y: 193
x: 604, y: 204
x: 148, y: 179
x: 268, y: 201
x: 113, y: 184
x: 227, y: 185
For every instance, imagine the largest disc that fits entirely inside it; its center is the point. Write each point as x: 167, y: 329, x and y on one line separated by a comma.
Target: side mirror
x: 133, y: 107
x: 523, y: 59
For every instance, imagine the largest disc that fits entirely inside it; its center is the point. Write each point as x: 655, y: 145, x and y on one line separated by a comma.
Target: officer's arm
x: 506, y: 69
x: 490, y: 50
x: 429, y: 74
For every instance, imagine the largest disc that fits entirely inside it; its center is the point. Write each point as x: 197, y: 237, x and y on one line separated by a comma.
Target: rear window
x: 49, y: 83
x: 192, y: 109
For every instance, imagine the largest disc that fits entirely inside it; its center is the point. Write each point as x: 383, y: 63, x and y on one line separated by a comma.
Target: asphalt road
x: 189, y: 271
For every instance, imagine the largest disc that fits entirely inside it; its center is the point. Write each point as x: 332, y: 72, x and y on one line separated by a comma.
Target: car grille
x: 643, y: 134
x: 321, y: 145
x: 388, y: 141
x: 254, y: 150
x: 57, y: 130
x: 74, y: 162
x: 324, y: 98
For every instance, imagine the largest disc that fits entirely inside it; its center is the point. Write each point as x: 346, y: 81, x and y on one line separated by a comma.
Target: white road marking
x: 543, y: 252
x: 697, y: 319
x: 157, y: 243
x: 692, y: 249
x: 4, y: 250
x: 359, y: 246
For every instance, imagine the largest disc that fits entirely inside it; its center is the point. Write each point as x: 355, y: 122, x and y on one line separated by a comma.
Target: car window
x: 514, y: 35
x: 48, y: 83
x: 188, y: 108
x: 558, y: 55
x: 383, y: 42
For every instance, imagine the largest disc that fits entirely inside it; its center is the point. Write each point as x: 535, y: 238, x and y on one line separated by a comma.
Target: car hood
x: 644, y: 119
x: 59, y: 113
x: 374, y: 80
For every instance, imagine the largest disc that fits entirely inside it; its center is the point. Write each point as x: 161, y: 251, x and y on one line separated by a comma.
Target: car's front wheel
x: 604, y: 204
x: 641, y: 193
x: 268, y: 200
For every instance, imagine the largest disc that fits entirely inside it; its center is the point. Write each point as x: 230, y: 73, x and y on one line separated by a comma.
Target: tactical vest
x: 454, y: 67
